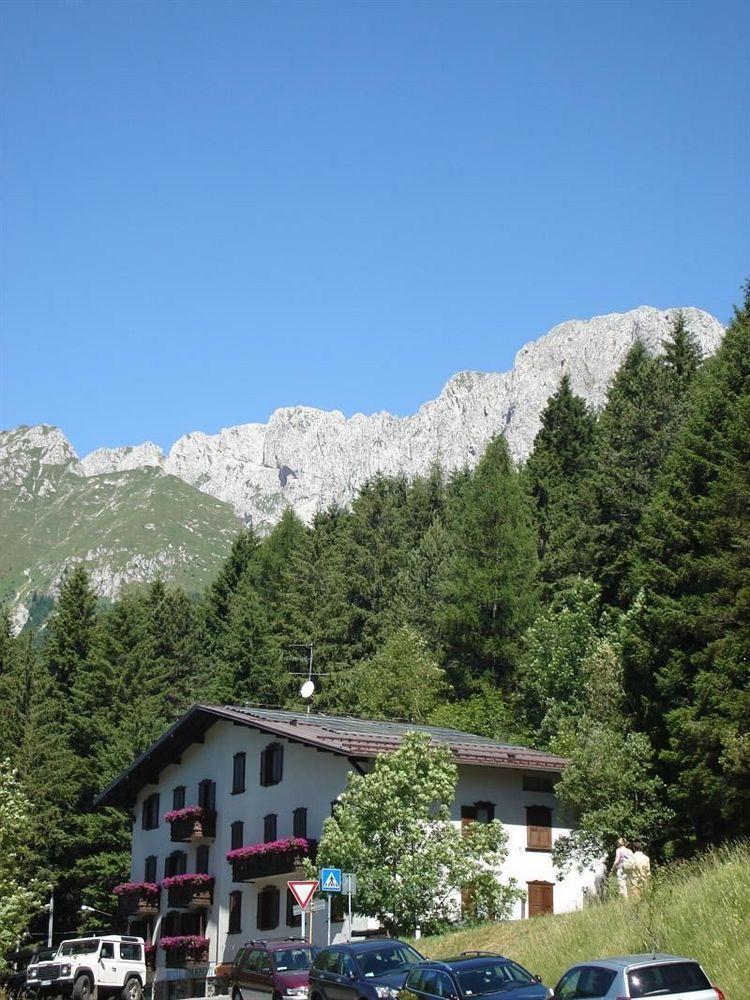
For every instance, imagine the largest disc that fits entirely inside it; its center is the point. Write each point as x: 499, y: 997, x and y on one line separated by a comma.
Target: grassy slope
x: 125, y: 526
x: 700, y: 909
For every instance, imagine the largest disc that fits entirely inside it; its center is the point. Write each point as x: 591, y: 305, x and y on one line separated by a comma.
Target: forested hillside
x: 595, y: 601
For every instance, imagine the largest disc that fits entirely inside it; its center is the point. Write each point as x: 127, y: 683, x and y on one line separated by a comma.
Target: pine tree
x: 490, y: 589
x: 70, y: 634
x: 643, y: 415
x: 555, y: 473
x: 243, y: 560
x: 689, y: 654
x: 248, y: 665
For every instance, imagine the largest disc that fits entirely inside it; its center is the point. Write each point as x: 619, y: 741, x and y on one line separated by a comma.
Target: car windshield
x: 79, y: 947
x: 294, y: 959
x: 493, y: 977
x: 389, y: 958
x: 44, y: 955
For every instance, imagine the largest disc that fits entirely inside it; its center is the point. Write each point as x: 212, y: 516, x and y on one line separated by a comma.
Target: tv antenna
x: 308, y: 687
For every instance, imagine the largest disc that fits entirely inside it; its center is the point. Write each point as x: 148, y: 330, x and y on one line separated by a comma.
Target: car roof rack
x: 479, y: 954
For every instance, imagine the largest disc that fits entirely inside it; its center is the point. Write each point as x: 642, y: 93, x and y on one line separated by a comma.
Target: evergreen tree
x: 681, y: 357
x: 243, y: 560
x: 690, y: 648
x: 248, y: 662
x: 70, y: 634
x: 490, y: 590
x: 555, y: 474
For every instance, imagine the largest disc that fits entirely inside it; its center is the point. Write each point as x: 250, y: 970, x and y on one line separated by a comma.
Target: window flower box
x: 185, y: 950
x: 137, y: 899
x: 278, y: 857
x: 191, y: 823
x: 192, y: 891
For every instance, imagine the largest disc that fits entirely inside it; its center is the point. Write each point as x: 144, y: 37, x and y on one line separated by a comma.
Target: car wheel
x: 132, y: 990
x: 82, y: 988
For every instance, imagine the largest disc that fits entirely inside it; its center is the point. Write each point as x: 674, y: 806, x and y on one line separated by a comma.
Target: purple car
x: 272, y: 970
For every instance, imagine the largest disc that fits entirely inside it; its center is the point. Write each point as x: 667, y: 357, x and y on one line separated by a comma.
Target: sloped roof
x: 357, y: 739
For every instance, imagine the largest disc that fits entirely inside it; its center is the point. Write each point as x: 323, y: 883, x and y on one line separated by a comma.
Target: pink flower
x: 298, y: 844
x: 145, y: 888
x: 190, y: 942
x: 189, y: 812
x: 196, y: 879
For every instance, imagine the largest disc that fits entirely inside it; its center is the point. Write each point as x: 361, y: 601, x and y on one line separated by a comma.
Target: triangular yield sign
x: 303, y: 892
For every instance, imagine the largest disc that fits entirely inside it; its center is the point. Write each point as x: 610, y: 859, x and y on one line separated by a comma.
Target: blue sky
x: 213, y: 209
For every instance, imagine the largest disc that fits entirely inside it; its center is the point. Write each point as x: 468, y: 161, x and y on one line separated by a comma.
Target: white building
x: 259, y: 777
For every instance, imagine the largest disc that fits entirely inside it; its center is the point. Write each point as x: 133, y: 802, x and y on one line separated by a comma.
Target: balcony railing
x: 279, y: 857
x: 191, y: 823
x: 137, y: 899
x: 191, y: 891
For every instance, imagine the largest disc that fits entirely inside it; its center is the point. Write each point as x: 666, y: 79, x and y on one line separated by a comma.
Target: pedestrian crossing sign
x: 330, y: 880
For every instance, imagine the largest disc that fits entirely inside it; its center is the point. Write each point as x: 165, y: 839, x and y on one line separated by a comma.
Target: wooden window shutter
x: 538, y: 828
x: 275, y: 906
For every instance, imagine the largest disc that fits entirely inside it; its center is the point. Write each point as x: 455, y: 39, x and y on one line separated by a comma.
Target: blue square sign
x: 330, y: 880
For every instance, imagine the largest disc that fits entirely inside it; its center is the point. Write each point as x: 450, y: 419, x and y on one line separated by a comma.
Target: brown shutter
x: 541, y: 898
x: 538, y: 828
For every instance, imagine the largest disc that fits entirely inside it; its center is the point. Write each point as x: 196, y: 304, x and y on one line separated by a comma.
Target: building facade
x: 228, y: 801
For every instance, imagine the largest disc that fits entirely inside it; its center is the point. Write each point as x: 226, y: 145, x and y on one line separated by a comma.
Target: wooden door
x: 540, y: 898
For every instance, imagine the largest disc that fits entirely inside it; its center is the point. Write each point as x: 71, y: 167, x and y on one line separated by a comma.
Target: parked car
x: 668, y: 977
x: 271, y: 970
x: 475, y: 974
x: 362, y: 970
x: 113, y: 964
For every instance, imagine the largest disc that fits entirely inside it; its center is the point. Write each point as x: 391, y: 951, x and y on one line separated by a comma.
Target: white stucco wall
x: 311, y: 779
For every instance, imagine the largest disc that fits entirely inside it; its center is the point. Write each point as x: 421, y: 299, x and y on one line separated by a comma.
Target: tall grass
x: 699, y: 908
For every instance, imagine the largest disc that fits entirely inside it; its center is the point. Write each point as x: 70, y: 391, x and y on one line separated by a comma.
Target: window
x: 207, y: 794
x: 479, y: 812
x: 130, y: 952
x: 108, y: 950
x: 271, y: 764
x: 178, y: 797
x: 292, y: 920
x: 269, y: 827
x: 299, y: 823
x: 201, y: 859
x: 268, y: 908
x: 675, y: 977
x: 150, y: 819
x: 538, y: 783
x: 149, y: 869
x: 238, y: 834
x: 238, y: 773
x: 538, y: 828
x: 235, y: 912
x: 585, y: 981
x: 175, y: 864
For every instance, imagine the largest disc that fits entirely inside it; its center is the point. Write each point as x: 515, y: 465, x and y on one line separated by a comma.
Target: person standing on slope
x: 623, y: 861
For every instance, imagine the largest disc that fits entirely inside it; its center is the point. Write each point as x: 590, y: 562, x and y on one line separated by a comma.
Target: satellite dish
x: 307, y: 690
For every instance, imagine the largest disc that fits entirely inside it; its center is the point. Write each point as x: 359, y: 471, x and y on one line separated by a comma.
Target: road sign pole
x: 329, y: 919
x: 349, y: 894
x: 304, y: 926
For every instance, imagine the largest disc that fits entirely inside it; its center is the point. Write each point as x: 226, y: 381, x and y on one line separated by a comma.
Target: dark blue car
x: 472, y: 975
x: 361, y: 970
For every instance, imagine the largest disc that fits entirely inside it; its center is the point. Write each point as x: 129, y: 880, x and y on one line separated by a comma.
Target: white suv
x: 96, y: 967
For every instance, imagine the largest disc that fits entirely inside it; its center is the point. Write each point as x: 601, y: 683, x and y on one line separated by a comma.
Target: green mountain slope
x: 126, y: 527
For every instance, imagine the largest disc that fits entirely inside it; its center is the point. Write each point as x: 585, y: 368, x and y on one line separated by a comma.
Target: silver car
x: 668, y: 977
